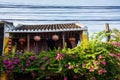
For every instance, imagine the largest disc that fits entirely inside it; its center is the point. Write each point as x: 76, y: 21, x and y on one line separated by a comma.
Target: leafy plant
x: 97, y: 61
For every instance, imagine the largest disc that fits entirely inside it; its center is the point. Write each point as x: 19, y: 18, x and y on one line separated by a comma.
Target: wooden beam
x: 63, y: 39
x: 80, y: 36
x: 107, y: 29
x: 28, y: 42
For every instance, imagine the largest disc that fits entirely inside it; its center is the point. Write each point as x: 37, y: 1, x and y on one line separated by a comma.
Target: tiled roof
x: 49, y: 28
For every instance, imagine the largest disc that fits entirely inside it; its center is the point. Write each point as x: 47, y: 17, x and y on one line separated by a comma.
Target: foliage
x: 115, y: 35
x: 98, y: 61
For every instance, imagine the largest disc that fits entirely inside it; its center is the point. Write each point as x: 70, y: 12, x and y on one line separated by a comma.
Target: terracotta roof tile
x: 48, y: 27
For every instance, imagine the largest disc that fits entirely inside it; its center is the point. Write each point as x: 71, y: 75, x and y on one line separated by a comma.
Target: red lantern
x: 72, y: 39
x: 55, y: 37
x: 22, y: 41
x: 10, y: 37
x: 37, y: 38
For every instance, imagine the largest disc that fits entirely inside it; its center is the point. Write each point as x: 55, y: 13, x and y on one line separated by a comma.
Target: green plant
x: 98, y: 60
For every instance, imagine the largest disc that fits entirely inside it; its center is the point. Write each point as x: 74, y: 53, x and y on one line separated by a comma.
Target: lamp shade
x: 22, y: 41
x: 55, y: 37
x: 37, y: 38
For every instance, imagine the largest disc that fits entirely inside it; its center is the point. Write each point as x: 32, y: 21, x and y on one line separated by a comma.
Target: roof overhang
x: 47, y: 28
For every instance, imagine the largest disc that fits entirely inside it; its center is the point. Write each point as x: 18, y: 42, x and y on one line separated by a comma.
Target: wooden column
x: 80, y: 36
x: 107, y: 31
x: 63, y: 39
x: 28, y: 42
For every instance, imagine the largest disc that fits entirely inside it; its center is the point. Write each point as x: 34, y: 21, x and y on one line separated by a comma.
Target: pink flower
x: 104, y: 63
x: 118, y: 54
x: 116, y: 43
x: 102, y: 71
x: 70, y: 67
x: 57, y: 52
x: 58, y: 57
x: 83, y: 65
x: 91, y: 70
x: 100, y: 57
x: 42, y: 67
x: 112, y: 54
x: 96, y: 62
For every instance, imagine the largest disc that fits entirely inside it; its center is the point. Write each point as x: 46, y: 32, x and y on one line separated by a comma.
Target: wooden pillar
x: 107, y: 29
x: 63, y: 39
x: 28, y: 42
x: 80, y: 37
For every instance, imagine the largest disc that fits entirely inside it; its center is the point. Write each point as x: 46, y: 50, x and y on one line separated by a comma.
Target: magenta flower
x: 118, y: 54
x: 5, y: 62
x: 63, y: 55
x: 75, y: 77
x: 104, y: 63
x: 65, y: 78
x: 32, y: 58
x: 16, y: 61
x: 27, y: 65
x: 10, y: 63
x: 12, y: 67
x: 7, y: 72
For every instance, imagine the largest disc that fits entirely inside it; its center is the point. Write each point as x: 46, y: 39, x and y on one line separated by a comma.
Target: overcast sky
x: 66, y: 2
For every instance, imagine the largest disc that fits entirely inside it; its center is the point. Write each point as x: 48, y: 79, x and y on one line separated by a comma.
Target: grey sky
x: 66, y: 2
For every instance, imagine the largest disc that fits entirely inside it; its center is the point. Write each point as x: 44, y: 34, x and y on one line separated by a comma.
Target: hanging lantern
x: 72, y: 39
x: 10, y: 43
x: 55, y: 37
x: 37, y: 38
x: 10, y: 37
x: 22, y: 41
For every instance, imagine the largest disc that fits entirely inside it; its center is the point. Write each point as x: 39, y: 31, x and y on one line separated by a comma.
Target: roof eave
x: 42, y: 31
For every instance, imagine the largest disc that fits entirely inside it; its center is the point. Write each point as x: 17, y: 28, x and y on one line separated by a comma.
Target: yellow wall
x: 85, y: 38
